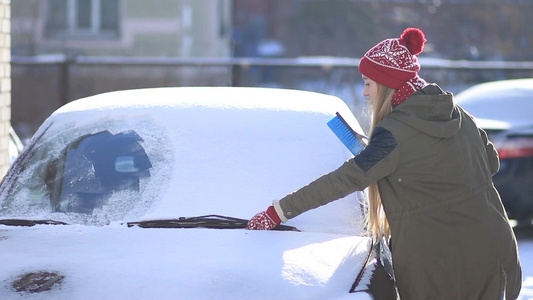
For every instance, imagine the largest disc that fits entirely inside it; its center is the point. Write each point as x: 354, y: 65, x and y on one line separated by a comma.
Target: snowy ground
x: 525, y: 244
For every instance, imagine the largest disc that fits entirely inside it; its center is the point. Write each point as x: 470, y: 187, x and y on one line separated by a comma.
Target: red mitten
x: 265, y: 220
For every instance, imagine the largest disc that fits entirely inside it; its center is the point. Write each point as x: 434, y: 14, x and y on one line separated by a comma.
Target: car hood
x: 116, y: 262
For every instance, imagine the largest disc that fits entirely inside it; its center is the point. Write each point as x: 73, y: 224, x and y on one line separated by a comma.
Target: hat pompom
x: 414, y: 39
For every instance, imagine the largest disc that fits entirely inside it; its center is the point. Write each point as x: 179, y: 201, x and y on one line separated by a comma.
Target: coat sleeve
x: 379, y: 159
x: 492, y: 153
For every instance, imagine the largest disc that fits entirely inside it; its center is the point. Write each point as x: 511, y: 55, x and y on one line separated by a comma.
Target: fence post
x: 235, y: 74
x: 64, y: 80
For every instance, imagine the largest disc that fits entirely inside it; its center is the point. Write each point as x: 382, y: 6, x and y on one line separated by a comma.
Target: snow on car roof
x: 233, y: 97
x: 507, y: 101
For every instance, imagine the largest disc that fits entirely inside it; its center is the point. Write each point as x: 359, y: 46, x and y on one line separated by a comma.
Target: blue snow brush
x: 351, y: 139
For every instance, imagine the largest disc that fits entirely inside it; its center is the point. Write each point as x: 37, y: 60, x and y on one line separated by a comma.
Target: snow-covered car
x: 504, y: 109
x: 145, y: 194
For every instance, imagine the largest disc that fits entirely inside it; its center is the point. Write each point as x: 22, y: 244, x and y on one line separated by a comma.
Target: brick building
x: 5, y: 84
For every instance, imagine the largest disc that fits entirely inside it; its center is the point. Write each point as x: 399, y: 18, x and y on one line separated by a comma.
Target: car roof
x: 215, y: 97
x: 507, y: 101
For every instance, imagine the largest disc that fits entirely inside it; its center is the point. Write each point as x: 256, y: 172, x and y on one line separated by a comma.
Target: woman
x: 429, y: 171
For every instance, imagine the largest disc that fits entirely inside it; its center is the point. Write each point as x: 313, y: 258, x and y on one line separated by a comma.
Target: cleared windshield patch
x: 95, y: 175
x: 95, y: 167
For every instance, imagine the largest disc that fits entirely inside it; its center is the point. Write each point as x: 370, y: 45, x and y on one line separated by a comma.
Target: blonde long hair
x: 377, y: 225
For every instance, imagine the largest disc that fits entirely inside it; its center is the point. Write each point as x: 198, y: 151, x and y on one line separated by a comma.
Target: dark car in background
x: 505, y: 110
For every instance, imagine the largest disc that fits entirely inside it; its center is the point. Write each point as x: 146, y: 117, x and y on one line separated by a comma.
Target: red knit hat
x: 393, y: 62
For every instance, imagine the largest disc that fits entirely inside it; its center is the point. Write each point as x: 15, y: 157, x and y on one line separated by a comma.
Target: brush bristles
x: 346, y: 135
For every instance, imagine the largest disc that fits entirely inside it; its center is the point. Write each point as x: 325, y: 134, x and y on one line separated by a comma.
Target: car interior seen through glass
x: 92, y: 168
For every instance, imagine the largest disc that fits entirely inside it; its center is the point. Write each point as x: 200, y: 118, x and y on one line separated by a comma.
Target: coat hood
x: 430, y: 110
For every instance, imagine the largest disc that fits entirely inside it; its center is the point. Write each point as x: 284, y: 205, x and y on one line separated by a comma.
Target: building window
x: 82, y: 18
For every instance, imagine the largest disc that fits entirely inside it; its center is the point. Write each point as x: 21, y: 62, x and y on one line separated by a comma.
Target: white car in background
x: 145, y: 194
x: 505, y: 110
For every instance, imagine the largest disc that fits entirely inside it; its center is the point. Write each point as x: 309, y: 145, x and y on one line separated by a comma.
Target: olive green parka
x: 450, y: 235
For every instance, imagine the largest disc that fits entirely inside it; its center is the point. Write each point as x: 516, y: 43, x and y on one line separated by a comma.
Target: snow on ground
x: 525, y: 245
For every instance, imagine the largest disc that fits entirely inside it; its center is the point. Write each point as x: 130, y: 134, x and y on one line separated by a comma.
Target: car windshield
x: 88, y: 178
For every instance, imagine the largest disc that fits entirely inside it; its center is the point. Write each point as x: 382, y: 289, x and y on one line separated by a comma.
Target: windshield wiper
x: 209, y: 221
x: 29, y: 223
